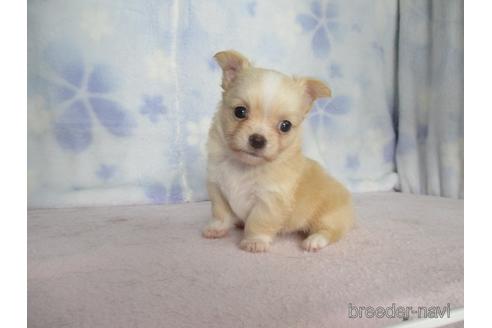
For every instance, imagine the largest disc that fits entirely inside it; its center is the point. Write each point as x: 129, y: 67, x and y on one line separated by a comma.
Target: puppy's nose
x: 257, y: 141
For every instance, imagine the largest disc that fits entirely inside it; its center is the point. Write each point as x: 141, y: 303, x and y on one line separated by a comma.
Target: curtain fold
x: 429, y: 150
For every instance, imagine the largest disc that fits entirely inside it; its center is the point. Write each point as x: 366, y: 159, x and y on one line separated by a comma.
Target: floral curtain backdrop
x: 121, y: 93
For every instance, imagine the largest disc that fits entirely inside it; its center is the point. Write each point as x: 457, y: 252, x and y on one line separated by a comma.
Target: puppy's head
x: 262, y: 110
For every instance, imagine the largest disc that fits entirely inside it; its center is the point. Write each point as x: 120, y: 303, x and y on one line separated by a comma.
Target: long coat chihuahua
x: 257, y: 174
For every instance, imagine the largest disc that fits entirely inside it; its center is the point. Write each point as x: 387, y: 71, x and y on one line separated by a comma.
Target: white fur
x: 270, y: 85
x: 216, y: 228
x: 237, y: 184
x: 315, y: 242
x: 219, y: 225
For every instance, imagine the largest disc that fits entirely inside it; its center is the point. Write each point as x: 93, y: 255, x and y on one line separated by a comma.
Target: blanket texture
x: 148, y: 266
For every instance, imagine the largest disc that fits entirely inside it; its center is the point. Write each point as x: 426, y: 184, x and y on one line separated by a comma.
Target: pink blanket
x: 148, y: 266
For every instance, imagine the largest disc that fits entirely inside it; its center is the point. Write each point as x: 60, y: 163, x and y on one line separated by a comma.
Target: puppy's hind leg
x: 328, y: 228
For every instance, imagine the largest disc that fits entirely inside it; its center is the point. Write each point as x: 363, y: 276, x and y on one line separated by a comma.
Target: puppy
x: 257, y: 174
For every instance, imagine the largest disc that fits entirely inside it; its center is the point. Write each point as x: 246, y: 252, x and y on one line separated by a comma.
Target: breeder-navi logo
x: 402, y: 312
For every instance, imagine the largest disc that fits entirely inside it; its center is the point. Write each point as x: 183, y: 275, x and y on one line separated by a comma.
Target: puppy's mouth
x: 251, y: 153
x: 249, y: 157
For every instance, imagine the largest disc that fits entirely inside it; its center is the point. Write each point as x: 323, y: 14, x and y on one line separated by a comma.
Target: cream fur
x: 274, y: 189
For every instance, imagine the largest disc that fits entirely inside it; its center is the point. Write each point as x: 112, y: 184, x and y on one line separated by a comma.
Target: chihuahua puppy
x: 257, y: 174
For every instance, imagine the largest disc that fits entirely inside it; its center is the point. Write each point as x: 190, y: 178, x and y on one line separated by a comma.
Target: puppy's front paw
x: 255, y: 244
x: 315, y: 242
x: 215, y: 229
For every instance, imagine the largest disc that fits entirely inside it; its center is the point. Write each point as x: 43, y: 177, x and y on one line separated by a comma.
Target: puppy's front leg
x: 261, y: 227
x: 223, y: 217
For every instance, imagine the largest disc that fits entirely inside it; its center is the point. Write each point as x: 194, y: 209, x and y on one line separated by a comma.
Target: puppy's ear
x: 232, y: 63
x: 313, y: 89
x: 316, y: 89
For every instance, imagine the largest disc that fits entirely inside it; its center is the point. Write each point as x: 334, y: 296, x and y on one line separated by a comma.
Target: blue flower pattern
x: 335, y: 71
x: 106, y: 172
x: 352, y: 162
x: 157, y: 193
x: 153, y: 107
x: 323, y: 22
x: 325, y: 110
x: 251, y: 7
x: 73, y: 127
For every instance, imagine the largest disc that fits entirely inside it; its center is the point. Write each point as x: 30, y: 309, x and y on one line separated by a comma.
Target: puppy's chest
x: 239, y: 186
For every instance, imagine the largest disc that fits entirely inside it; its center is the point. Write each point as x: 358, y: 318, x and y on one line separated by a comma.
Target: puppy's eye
x: 240, y: 112
x: 285, y: 126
